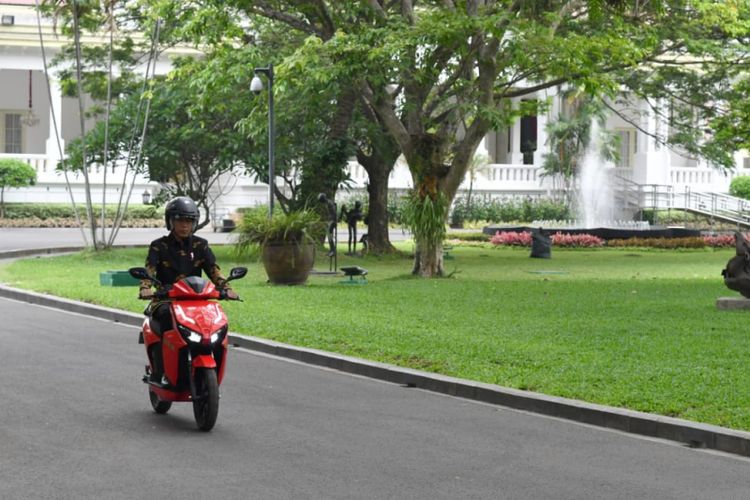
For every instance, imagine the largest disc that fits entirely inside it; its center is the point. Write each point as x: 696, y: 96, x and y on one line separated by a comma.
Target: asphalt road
x: 75, y: 422
x: 23, y: 238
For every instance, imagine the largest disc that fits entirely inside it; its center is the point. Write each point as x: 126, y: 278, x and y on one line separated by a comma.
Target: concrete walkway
x: 14, y: 239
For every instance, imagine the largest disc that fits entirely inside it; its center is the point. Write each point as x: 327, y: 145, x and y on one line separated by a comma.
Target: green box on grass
x: 117, y: 278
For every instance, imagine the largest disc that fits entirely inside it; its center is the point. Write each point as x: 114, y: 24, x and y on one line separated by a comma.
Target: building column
x: 516, y: 156
x: 651, y: 161
x: 541, y: 138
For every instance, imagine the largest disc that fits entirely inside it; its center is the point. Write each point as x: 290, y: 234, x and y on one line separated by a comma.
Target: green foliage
x: 664, y: 243
x: 471, y: 237
x: 16, y: 173
x: 425, y: 217
x: 300, y: 226
x: 396, y: 206
x: 63, y: 210
x: 508, y: 210
x: 740, y: 187
x: 437, y: 95
x: 569, y: 137
x: 13, y: 174
x: 676, y: 218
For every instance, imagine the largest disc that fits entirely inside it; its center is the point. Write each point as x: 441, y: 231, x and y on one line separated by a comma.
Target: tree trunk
x: 378, y: 162
x: 378, y: 240
x: 428, y: 260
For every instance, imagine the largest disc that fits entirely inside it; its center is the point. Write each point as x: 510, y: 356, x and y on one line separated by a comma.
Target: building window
x: 12, y: 133
x: 746, y: 162
x: 628, y: 146
x: 528, y: 137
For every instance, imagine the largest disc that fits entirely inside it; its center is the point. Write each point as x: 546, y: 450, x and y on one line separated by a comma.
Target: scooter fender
x: 203, y: 361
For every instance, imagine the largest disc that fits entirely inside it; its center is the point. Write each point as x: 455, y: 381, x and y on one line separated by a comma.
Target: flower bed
x: 513, y: 238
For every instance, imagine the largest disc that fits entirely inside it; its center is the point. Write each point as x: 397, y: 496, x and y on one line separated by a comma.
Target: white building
x: 28, y: 132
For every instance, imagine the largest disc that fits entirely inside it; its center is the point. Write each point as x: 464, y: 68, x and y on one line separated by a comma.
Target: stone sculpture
x: 737, y: 273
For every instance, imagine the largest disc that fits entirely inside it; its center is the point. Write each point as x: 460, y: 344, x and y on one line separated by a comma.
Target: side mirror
x: 142, y: 274
x: 237, y: 273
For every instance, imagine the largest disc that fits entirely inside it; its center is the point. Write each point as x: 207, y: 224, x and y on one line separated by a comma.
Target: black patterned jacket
x: 170, y: 260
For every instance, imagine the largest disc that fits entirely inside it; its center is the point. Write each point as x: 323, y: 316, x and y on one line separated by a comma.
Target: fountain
x: 597, y: 210
x: 595, y: 197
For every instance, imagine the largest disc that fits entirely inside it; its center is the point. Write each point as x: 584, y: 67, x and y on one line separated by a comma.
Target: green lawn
x: 628, y: 328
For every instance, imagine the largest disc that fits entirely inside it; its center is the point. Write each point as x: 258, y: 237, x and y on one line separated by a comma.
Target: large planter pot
x: 288, y: 263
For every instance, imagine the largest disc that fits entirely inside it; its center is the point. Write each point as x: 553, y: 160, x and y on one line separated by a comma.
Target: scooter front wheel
x: 206, y: 400
x: 161, y: 407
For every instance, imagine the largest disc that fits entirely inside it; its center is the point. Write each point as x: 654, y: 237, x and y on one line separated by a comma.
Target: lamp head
x: 256, y: 85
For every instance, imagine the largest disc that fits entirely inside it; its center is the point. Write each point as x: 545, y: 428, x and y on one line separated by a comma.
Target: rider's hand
x: 231, y: 294
x: 145, y: 293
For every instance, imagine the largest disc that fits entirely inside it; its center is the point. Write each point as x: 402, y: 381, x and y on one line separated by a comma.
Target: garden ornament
x: 737, y: 273
x: 332, y: 220
x: 541, y: 244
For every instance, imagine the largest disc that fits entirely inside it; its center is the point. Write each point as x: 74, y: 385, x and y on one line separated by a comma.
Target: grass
x: 621, y: 327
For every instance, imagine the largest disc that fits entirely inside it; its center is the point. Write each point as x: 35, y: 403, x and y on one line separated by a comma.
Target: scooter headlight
x: 190, y: 335
x: 218, y: 335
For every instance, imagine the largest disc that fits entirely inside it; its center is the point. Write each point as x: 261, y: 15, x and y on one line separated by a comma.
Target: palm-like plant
x: 298, y: 227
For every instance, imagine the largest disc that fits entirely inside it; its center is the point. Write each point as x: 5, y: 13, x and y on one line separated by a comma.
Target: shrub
x: 298, y: 227
x: 720, y: 240
x: 665, y: 243
x: 576, y: 240
x: 512, y: 238
x: 468, y: 236
x: 507, y: 210
x: 45, y: 211
x: 740, y: 187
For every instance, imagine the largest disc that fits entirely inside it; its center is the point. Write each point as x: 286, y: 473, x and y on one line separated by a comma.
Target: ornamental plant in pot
x: 286, y: 240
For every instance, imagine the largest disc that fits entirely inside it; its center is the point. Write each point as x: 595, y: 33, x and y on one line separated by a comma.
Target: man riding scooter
x: 171, y: 258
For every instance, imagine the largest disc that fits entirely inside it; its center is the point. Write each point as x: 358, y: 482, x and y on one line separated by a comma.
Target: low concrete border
x: 684, y: 431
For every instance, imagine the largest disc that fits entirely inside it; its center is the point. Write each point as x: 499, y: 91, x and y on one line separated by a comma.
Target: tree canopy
x: 438, y: 75
x: 441, y: 74
x: 14, y: 174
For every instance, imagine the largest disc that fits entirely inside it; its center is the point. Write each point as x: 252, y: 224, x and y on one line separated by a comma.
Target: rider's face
x: 182, y: 228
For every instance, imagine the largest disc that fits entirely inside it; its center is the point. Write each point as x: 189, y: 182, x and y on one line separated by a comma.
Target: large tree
x: 322, y: 122
x: 100, y: 70
x: 461, y: 69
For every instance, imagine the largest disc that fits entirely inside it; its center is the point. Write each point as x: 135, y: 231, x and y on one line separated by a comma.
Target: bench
x: 447, y: 252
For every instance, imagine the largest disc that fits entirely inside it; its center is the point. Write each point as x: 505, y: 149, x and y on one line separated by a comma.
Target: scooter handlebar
x: 223, y: 296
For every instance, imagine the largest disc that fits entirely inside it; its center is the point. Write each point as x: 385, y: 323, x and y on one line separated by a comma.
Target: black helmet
x: 181, y: 207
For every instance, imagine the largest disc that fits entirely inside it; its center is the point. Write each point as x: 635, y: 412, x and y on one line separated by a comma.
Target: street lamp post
x: 256, y: 86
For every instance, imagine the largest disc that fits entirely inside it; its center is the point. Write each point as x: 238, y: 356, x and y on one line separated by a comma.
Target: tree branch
x: 389, y: 118
x: 265, y: 10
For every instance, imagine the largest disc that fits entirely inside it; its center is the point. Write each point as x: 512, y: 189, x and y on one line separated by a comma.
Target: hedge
x: 45, y: 211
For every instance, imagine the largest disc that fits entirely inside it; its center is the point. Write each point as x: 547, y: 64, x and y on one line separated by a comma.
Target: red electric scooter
x: 193, y: 350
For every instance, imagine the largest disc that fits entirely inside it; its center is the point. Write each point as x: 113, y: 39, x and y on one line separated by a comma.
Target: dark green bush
x: 740, y: 187
x: 61, y: 210
x: 507, y: 210
x: 665, y: 243
x: 477, y: 236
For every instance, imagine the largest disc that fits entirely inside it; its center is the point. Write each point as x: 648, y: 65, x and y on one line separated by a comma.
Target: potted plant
x: 286, y: 240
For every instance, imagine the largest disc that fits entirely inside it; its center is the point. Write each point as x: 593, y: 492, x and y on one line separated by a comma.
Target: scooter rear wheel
x: 206, y: 402
x: 159, y: 406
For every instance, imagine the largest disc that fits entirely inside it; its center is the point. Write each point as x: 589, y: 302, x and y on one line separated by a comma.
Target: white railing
x: 691, y: 176
x: 40, y: 163
x: 46, y: 170
x: 715, y: 205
